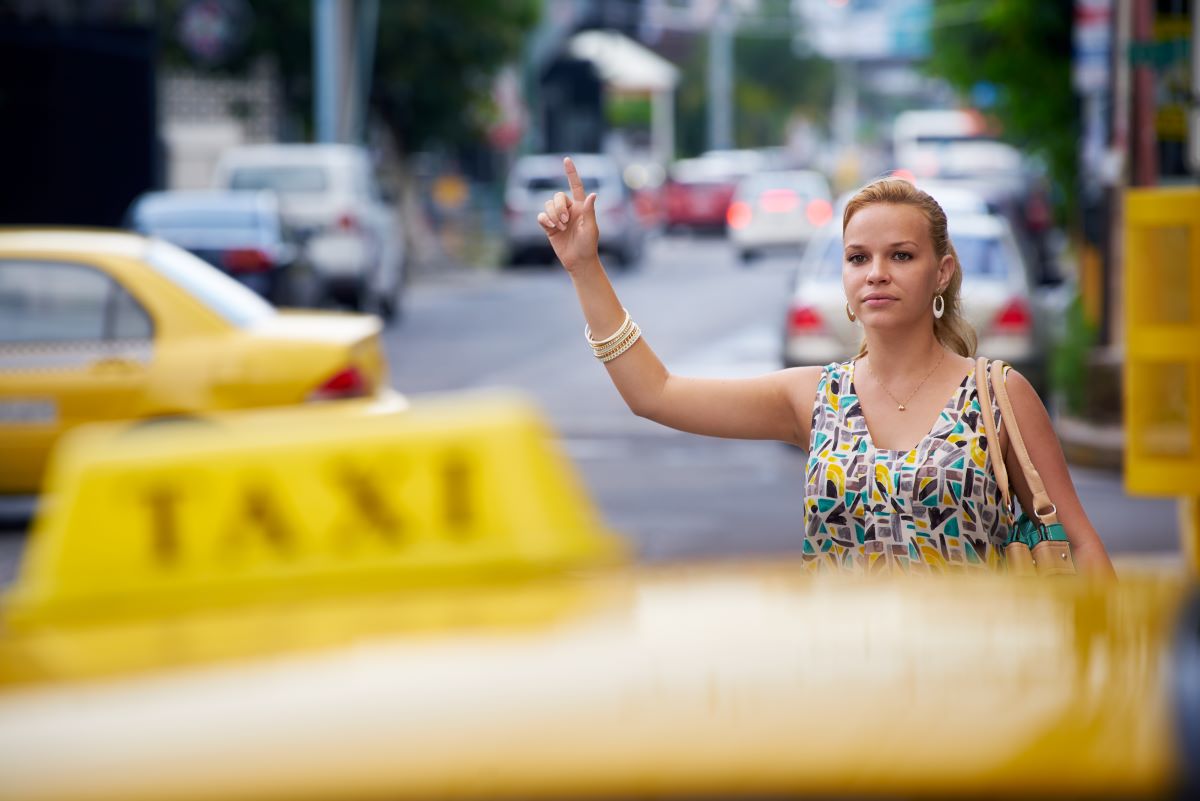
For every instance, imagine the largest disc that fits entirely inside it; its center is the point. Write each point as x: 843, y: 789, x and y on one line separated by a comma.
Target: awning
x: 622, y: 63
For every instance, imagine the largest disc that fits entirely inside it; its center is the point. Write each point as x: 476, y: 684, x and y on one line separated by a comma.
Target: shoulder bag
x: 1037, y: 544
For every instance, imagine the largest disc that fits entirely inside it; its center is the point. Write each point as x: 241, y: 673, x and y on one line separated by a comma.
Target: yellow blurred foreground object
x: 724, y: 681
x: 1162, y: 354
x: 274, y: 505
x: 408, y: 606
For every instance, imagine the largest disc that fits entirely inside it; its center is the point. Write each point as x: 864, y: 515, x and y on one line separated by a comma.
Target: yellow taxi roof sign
x: 241, y: 506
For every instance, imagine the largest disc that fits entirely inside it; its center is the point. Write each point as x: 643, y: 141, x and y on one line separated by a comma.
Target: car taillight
x: 1037, y: 212
x: 346, y: 383
x: 247, y: 260
x: 738, y: 215
x: 804, y: 320
x: 347, y: 222
x: 778, y: 201
x: 1014, y: 318
x: 819, y: 212
x: 904, y: 175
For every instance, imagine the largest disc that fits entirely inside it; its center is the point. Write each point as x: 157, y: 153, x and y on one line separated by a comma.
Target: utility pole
x: 325, y: 59
x: 366, y: 26
x: 845, y: 103
x: 344, y: 34
x: 720, y: 78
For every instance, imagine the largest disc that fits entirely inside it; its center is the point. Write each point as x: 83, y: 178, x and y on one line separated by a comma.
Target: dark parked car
x: 238, y: 232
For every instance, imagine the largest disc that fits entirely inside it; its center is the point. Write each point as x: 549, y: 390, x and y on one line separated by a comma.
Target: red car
x: 698, y: 194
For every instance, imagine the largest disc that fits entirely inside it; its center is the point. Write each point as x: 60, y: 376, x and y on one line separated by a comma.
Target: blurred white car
x: 534, y: 179
x: 996, y: 298
x: 329, y: 195
x: 920, y: 136
x: 778, y: 210
x: 956, y: 200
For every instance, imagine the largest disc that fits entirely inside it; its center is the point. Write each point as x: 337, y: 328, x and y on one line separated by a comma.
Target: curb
x: 1091, y: 445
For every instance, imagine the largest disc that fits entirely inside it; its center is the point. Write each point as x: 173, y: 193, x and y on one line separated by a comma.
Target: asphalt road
x: 673, y: 495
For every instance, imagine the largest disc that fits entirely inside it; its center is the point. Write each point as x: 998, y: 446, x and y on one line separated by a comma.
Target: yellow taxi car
x: 104, y: 325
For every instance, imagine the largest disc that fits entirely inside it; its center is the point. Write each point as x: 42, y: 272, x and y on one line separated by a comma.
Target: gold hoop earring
x: 939, y: 306
x: 853, y: 317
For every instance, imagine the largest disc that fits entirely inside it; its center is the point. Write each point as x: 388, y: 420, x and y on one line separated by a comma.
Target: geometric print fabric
x: 933, y: 509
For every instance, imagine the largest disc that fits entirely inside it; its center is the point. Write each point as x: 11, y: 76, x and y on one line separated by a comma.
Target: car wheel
x: 388, y: 306
x: 298, y: 286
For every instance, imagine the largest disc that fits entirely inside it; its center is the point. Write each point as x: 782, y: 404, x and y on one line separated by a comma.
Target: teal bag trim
x: 1031, y: 533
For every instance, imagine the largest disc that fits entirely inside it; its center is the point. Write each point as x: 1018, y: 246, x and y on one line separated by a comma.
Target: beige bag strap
x: 989, y: 428
x: 1043, y: 508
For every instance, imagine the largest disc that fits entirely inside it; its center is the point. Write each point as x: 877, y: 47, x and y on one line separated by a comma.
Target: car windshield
x: 982, y: 258
x: 232, y: 301
x: 209, y: 219
x: 285, y: 180
x: 809, y: 186
x: 559, y: 183
x: 949, y: 139
x: 701, y: 171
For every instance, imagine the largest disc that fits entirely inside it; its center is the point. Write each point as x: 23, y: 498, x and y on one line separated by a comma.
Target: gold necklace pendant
x: 900, y: 403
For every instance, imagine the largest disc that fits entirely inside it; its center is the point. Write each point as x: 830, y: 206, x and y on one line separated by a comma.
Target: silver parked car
x: 997, y: 299
x: 329, y: 194
x: 534, y: 180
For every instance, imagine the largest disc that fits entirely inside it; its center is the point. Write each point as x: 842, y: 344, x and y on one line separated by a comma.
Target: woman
x: 934, y: 503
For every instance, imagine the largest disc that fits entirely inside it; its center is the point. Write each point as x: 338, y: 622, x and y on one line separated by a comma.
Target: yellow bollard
x: 1162, y: 349
x: 1189, y: 532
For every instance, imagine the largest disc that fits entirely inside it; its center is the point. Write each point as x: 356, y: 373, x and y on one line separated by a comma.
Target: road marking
x: 750, y: 352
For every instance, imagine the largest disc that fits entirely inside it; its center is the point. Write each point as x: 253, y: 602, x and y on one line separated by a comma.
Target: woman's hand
x: 570, y: 223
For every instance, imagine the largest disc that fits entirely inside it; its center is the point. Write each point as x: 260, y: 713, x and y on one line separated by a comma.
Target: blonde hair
x: 952, y: 330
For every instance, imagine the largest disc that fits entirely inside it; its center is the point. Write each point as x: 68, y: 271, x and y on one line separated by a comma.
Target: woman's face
x: 890, y: 272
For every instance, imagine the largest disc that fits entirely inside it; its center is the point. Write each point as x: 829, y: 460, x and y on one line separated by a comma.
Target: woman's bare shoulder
x: 802, y: 383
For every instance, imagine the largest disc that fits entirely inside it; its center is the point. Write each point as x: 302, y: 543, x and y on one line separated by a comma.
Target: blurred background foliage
x: 773, y: 84
x: 1069, y: 364
x: 435, y: 60
x: 1023, y: 49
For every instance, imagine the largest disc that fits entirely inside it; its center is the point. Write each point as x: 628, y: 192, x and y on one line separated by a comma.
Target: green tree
x: 771, y: 83
x: 1023, y: 48
x: 434, y: 60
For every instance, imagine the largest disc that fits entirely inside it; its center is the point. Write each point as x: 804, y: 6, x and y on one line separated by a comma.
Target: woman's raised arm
x: 773, y: 406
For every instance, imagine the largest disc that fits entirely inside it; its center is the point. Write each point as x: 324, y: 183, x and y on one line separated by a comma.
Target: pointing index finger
x: 577, y: 192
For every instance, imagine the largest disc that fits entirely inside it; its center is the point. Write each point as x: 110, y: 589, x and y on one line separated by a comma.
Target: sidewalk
x: 1089, y: 444
x: 1092, y: 429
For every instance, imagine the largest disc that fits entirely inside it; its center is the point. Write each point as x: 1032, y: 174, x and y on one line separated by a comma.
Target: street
x: 674, y: 495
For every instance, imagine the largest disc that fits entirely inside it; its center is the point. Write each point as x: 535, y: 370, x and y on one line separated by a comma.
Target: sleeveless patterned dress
x: 936, y: 508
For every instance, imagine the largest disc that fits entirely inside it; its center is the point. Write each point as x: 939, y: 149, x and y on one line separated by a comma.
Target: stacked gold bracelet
x: 611, y: 347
